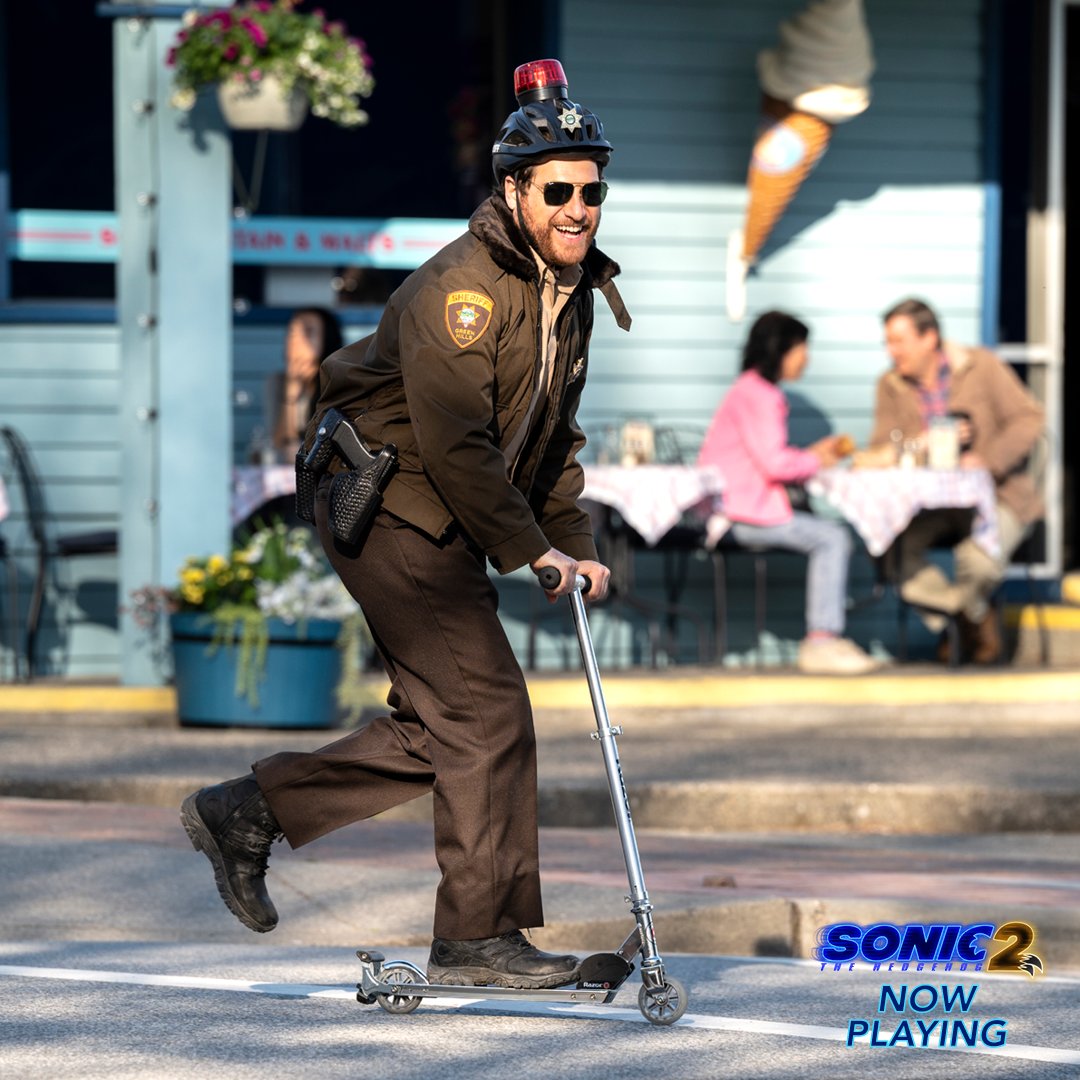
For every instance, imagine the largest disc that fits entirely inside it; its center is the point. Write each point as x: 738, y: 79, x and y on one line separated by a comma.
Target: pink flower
x: 263, y: 5
x: 222, y: 17
x: 255, y: 74
x: 335, y: 28
x: 255, y: 32
x: 230, y: 52
x: 170, y: 57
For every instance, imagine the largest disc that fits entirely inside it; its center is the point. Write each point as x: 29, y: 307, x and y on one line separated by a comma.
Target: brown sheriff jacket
x: 1006, y: 419
x: 447, y: 378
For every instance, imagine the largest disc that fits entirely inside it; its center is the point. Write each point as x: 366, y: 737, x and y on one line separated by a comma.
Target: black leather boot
x: 232, y: 824
x: 506, y: 960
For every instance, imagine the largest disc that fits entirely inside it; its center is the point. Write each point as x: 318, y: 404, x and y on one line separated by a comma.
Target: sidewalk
x: 766, y: 806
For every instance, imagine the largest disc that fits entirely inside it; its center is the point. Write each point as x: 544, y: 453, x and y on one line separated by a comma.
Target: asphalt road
x: 155, y: 1010
x: 117, y: 959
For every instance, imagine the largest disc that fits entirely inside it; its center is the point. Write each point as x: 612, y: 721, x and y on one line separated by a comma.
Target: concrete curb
x: 789, y: 927
x: 705, y: 807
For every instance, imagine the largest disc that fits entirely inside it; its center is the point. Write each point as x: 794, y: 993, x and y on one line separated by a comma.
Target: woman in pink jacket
x: 748, y: 441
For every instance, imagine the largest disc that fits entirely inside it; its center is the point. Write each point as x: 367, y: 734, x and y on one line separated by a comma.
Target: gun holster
x: 356, y: 492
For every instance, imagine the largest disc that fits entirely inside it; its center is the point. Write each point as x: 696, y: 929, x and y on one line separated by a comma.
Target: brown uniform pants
x: 460, y: 725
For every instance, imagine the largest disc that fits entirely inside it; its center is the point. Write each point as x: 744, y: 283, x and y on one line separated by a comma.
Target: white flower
x: 183, y: 99
x: 304, y: 596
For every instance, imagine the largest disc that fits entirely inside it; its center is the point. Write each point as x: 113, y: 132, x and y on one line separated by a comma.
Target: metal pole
x: 652, y: 968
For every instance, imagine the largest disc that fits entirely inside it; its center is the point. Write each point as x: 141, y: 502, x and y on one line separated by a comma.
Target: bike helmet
x: 547, y: 124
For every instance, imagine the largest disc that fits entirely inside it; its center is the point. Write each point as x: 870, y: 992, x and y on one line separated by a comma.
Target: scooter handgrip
x: 549, y: 578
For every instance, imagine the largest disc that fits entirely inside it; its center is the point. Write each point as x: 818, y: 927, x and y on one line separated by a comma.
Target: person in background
x: 999, y: 427
x: 312, y: 335
x: 748, y: 441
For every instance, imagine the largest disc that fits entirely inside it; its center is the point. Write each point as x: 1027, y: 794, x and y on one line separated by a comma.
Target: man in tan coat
x: 999, y: 425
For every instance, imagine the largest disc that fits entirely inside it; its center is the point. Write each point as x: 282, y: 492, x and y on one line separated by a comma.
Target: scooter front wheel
x: 400, y: 974
x: 663, y: 1005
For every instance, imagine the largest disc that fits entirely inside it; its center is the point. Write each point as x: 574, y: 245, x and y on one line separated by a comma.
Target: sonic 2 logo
x: 933, y: 943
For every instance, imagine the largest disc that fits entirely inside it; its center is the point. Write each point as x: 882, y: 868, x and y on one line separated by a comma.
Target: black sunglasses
x: 560, y: 192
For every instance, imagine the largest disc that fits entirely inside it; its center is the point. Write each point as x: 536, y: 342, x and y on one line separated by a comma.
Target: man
x: 474, y: 373
x: 998, y: 425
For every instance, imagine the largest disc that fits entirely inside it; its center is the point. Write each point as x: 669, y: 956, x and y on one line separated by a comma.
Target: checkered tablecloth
x: 652, y: 498
x: 880, y: 503
x: 255, y: 485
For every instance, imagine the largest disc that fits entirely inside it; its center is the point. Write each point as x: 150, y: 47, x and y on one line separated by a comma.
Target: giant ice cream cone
x: 789, y: 144
x: 817, y: 77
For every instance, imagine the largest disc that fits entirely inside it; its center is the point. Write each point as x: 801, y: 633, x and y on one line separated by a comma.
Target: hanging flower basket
x: 255, y: 47
x: 264, y: 105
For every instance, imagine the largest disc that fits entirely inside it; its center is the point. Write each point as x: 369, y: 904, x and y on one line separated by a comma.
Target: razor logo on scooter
x: 603, y: 971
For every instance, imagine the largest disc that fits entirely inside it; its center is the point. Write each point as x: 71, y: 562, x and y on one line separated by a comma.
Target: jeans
x: 828, y: 545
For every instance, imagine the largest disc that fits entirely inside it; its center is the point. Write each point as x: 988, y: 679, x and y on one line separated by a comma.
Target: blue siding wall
x: 60, y: 390
x: 895, y: 207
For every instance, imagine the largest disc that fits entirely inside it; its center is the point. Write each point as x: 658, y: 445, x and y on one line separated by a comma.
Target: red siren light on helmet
x: 539, y: 80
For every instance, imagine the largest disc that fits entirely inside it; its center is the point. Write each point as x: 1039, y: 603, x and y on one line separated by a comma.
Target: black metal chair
x: 726, y: 548
x: 45, y: 547
x: 11, y: 606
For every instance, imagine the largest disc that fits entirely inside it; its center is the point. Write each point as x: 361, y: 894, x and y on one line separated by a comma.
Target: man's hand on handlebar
x: 598, y: 574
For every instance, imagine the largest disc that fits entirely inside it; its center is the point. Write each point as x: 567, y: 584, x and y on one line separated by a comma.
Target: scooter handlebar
x: 549, y: 578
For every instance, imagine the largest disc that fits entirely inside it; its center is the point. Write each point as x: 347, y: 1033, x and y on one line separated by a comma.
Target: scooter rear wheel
x: 663, y: 1005
x: 402, y: 974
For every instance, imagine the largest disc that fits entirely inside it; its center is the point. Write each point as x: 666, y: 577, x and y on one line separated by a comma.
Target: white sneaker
x: 834, y: 656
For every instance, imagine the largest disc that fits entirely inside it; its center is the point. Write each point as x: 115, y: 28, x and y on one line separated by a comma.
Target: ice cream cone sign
x: 817, y: 77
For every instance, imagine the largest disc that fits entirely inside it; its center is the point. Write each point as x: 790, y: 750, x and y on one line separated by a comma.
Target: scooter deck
x: 601, y: 976
x: 488, y: 993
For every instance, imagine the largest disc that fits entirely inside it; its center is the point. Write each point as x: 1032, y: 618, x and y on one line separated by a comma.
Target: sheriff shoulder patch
x: 467, y: 316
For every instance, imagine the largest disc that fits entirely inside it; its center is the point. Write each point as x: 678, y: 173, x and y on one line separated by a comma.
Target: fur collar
x: 493, y: 224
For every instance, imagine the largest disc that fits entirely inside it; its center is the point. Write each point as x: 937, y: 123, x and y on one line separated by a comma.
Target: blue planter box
x: 297, y: 690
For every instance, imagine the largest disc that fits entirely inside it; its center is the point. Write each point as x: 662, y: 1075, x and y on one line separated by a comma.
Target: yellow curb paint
x: 1053, y: 617
x: 92, y: 699
x: 626, y: 691
x: 732, y: 692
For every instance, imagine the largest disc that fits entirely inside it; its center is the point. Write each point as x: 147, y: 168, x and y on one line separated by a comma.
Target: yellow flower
x: 192, y: 594
x: 216, y: 563
x: 244, y: 573
x: 193, y: 575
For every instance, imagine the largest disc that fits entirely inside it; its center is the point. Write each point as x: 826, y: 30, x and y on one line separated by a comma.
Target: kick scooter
x: 399, y: 987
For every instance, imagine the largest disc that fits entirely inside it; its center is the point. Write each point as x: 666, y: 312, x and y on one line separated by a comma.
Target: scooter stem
x: 620, y: 801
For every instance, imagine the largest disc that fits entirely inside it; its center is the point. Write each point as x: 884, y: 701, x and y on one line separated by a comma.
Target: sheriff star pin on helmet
x: 546, y: 124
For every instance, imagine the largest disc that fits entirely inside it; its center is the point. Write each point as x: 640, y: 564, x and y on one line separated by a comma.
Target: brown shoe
x: 986, y: 639
x: 967, y: 637
x: 944, y: 648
